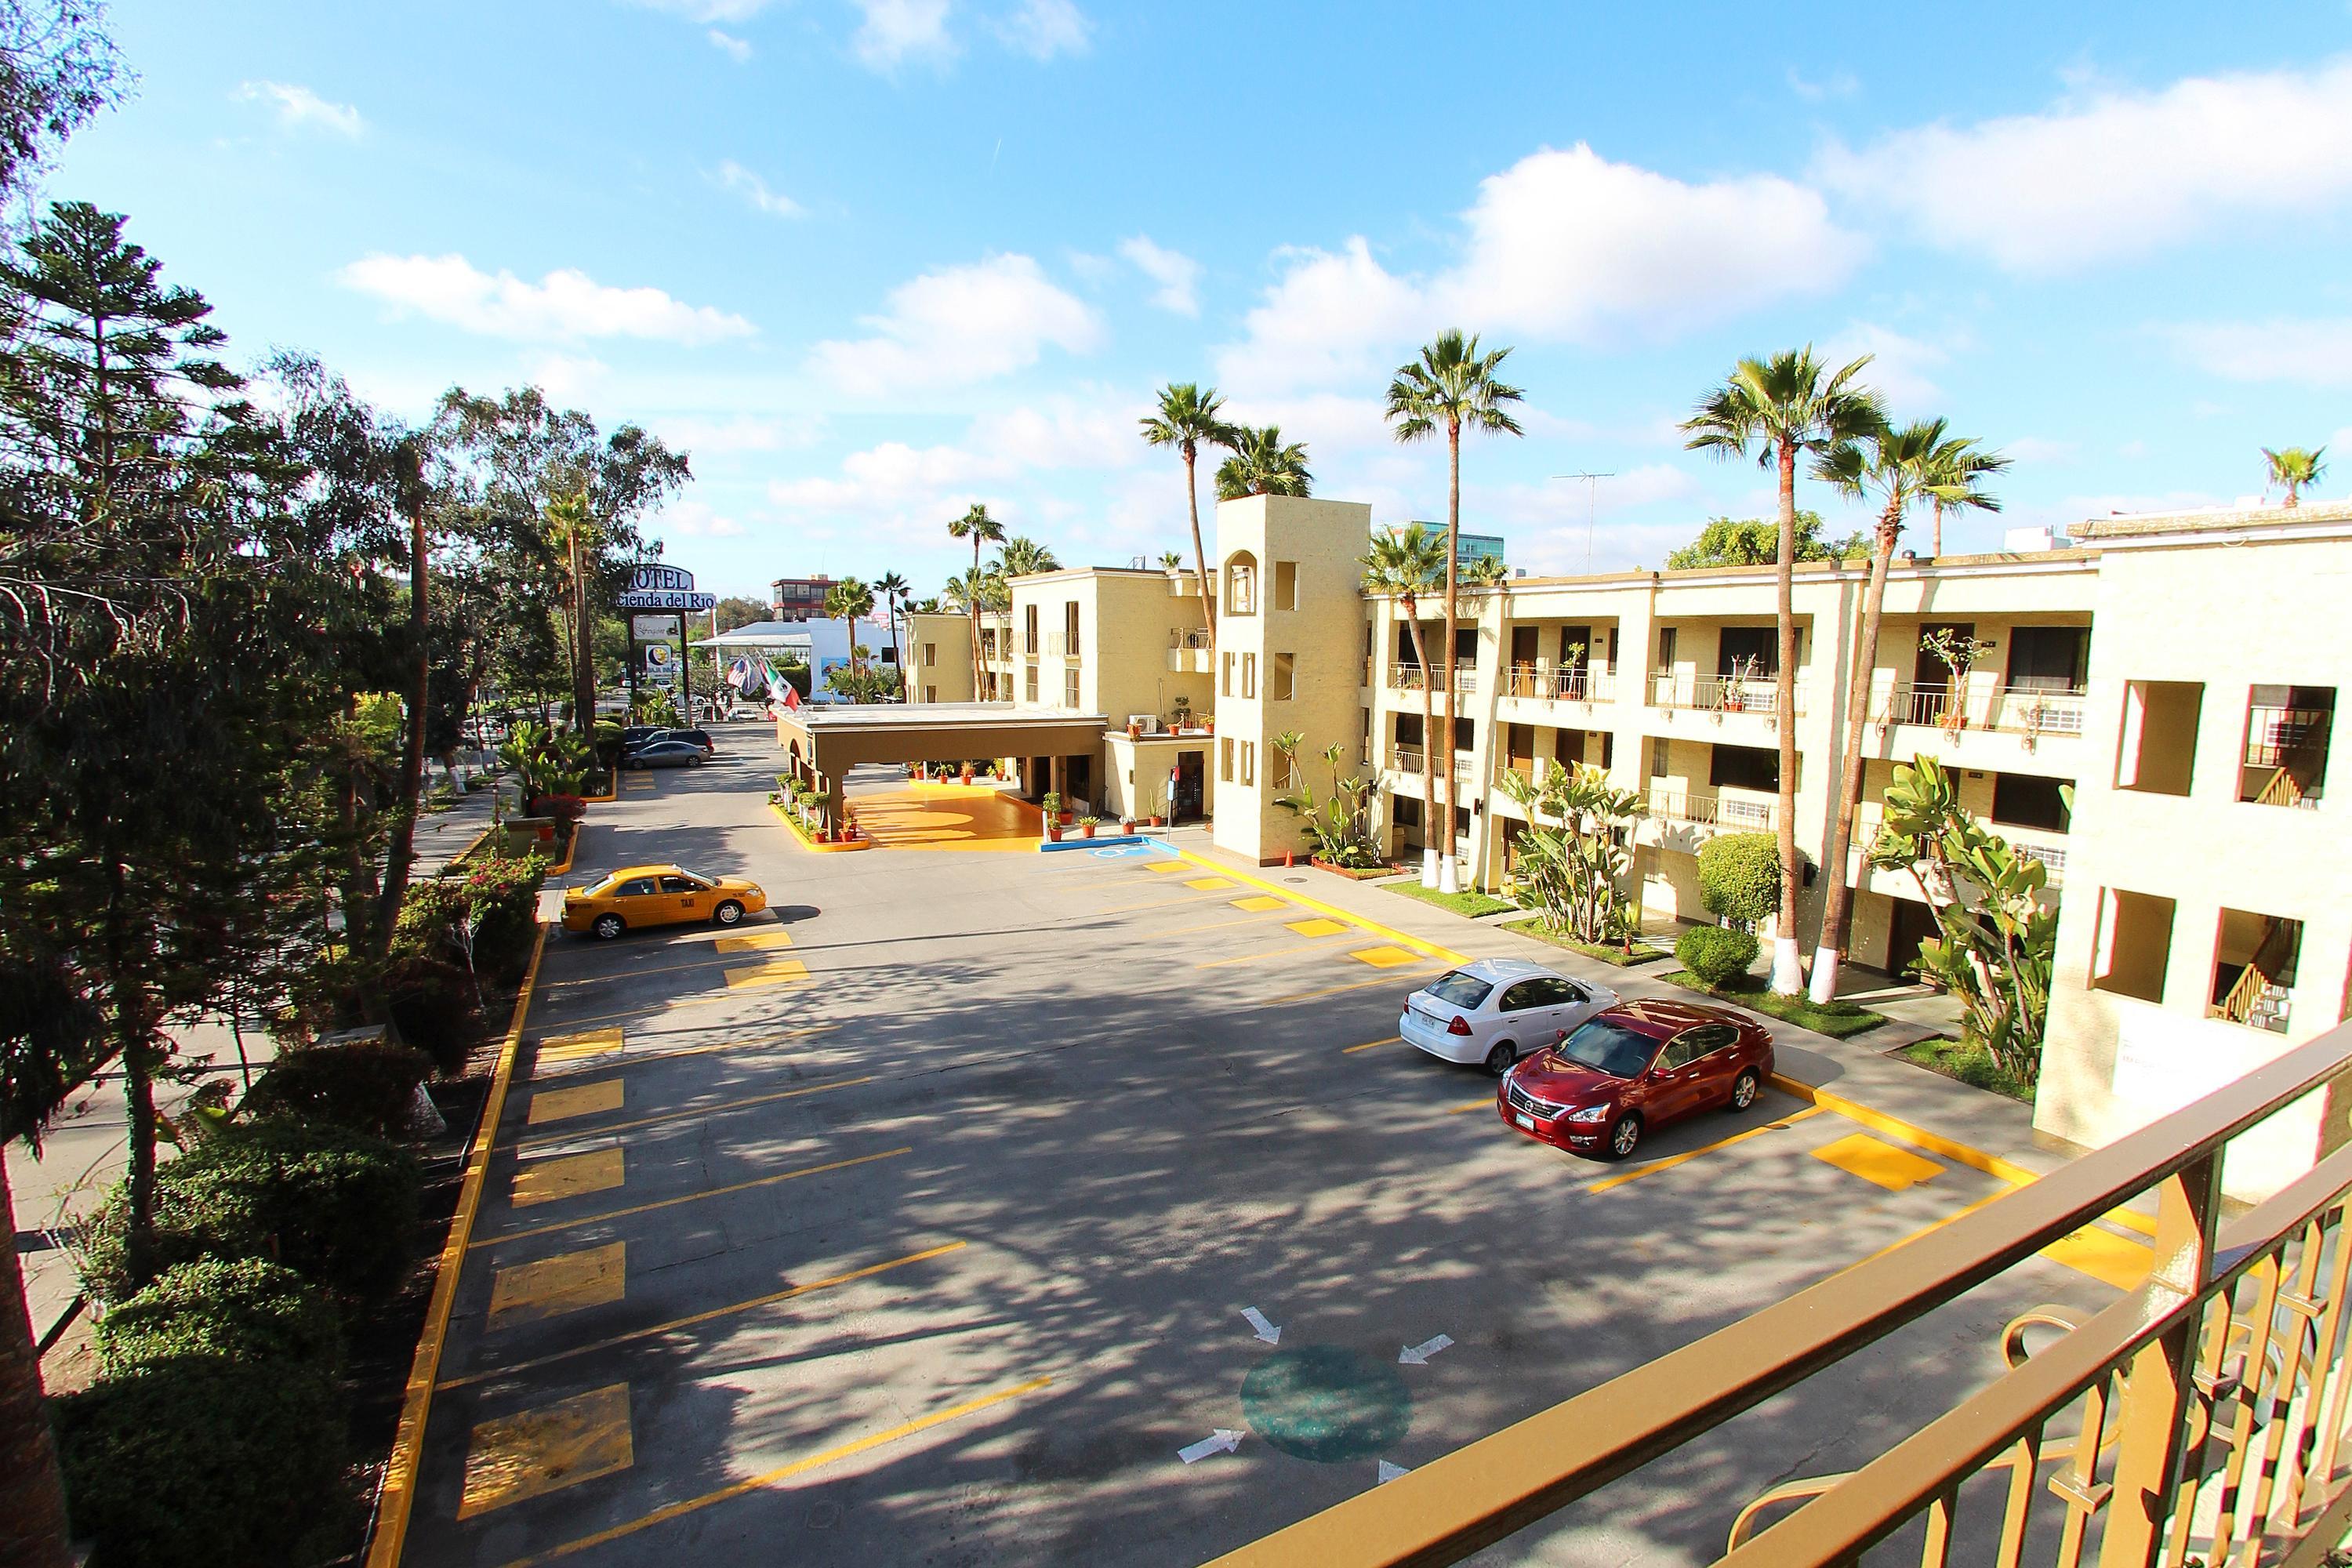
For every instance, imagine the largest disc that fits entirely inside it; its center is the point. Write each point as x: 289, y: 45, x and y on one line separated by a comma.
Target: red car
x: 1631, y: 1069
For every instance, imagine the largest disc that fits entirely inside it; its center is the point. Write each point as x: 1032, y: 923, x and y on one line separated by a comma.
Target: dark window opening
x: 1745, y: 767
x: 1755, y: 650
x: 2026, y: 800
x: 2049, y: 659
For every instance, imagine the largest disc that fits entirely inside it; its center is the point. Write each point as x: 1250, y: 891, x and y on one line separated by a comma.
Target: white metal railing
x: 1719, y: 693
x: 1984, y: 704
x: 1197, y: 637
x: 1405, y: 759
x: 1064, y: 643
x: 1412, y: 677
x: 1736, y: 813
x: 1547, y: 683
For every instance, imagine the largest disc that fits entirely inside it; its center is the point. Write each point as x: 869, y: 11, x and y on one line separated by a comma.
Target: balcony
x: 1061, y: 645
x: 1413, y: 678
x: 1406, y: 759
x: 1727, y: 813
x: 1985, y: 705
x: 1191, y: 652
x: 1544, y: 683
x: 1720, y: 693
x: 2197, y: 1416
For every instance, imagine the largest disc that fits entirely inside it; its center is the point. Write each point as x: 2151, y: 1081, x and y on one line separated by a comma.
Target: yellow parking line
x: 1164, y: 867
x: 1484, y: 1102
x: 645, y: 1012
x: 688, y: 1198
x: 776, y: 972
x: 1262, y: 902
x: 1319, y: 926
x: 534, y: 1452
x: 572, y: 1047
x: 1878, y: 1162
x: 568, y: 1282
x: 1389, y: 979
x: 1418, y: 945
x: 568, y: 1176
x: 784, y: 1472
x: 753, y: 942
x: 690, y: 1113
x: 1385, y: 957
x: 557, y: 1104
x: 641, y: 1057
x: 1367, y: 1045
x: 1671, y: 1160
x: 675, y: 1324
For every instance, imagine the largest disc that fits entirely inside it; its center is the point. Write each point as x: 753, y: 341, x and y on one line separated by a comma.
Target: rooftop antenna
x: 1592, y: 490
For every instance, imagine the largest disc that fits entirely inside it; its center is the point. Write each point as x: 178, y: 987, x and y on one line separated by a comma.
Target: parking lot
x: 1082, y: 1207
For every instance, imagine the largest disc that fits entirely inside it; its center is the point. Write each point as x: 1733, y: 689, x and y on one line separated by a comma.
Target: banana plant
x: 1340, y: 826
x: 1575, y: 871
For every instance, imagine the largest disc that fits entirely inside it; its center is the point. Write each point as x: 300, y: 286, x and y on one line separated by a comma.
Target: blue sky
x: 871, y: 260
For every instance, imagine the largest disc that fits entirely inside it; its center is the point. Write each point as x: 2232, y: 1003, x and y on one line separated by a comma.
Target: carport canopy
x: 830, y: 741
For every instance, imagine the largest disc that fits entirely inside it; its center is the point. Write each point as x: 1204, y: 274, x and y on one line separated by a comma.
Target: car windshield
x: 1608, y: 1047
x: 1460, y: 990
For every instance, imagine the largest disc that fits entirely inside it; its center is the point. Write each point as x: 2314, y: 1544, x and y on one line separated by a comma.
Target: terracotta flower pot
x: 1068, y: 817
x: 1054, y: 832
x: 1155, y: 819
x: 1085, y: 830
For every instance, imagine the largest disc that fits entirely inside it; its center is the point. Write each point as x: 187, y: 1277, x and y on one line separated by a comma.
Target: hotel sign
x: 665, y: 588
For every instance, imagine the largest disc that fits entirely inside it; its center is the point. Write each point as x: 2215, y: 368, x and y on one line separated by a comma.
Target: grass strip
x: 1838, y: 1020
x: 1968, y: 1063
x: 1534, y: 926
x: 1470, y: 904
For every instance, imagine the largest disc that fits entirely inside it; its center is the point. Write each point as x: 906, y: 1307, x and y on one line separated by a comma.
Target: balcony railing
x: 1197, y: 637
x: 1407, y: 760
x: 1412, y: 677
x: 1734, y: 813
x: 2203, y: 1416
x: 1544, y: 683
x: 1719, y: 693
x: 1984, y: 705
x: 1062, y: 644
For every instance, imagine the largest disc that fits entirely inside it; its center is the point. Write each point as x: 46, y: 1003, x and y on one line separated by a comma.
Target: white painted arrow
x: 1222, y: 1441
x: 1417, y: 1356
x: 1389, y: 1472
x: 1264, y: 1330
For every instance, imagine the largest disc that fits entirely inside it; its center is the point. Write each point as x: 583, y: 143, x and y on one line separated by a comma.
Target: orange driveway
x: 948, y: 816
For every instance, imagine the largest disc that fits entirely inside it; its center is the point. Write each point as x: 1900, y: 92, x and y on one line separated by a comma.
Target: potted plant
x: 967, y: 775
x: 1050, y: 805
x: 1127, y: 824
x: 1957, y: 651
x: 1135, y: 729
x: 1180, y: 713
x: 1086, y: 825
x: 1208, y: 723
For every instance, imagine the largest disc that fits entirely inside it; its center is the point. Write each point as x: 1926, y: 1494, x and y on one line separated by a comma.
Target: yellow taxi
x: 657, y: 895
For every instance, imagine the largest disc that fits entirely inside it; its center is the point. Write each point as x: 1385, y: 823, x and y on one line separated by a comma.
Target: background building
x: 798, y: 598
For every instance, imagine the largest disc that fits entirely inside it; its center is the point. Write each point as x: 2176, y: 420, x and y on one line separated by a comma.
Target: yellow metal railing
x: 2202, y: 1416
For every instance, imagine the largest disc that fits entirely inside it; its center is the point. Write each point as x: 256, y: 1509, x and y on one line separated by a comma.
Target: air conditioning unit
x: 1149, y: 722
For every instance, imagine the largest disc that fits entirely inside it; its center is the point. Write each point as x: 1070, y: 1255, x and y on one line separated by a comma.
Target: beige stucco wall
x: 938, y: 658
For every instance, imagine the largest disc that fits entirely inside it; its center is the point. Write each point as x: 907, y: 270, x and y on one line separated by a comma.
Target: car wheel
x: 1743, y: 1090
x: 729, y: 911
x: 1624, y: 1136
x: 1500, y: 1060
x: 607, y: 927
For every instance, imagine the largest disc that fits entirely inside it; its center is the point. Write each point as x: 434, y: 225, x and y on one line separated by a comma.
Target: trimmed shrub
x: 197, y: 1462
x: 1715, y: 953
x: 433, y: 1003
x: 368, y: 1086
x: 504, y: 894
x: 243, y: 1310
x: 1739, y: 877
x: 336, y: 1206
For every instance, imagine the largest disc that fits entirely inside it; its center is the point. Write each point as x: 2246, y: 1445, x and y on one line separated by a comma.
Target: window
x: 1466, y: 647
x: 931, y: 693
x: 2253, y: 969
x: 2158, y: 753
x: 1704, y: 1040
x: 2049, y: 659
x: 1281, y: 676
x: 1240, y: 586
x: 635, y: 888
x: 1745, y: 767
x: 1666, y: 647
x: 931, y: 654
x: 1070, y: 627
x: 1526, y: 993
x: 682, y: 885
x: 1607, y: 750
x: 1225, y: 758
x: 1249, y: 675
x: 2287, y: 730
x: 1286, y: 584
x: 2023, y: 800
x: 2133, y: 945
x: 1460, y: 990
x: 890, y: 656
x: 1030, y: 685
x: 988, y: 642
x: 1226, y: 679
x: 1756, y: 649
x: 1069, y: 689
x: 1249, y: 761
x: 1406, y: 811
x: 1657, y: 756
x: 1029, y: 629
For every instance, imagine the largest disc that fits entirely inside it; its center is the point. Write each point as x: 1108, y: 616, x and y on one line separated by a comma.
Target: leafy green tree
x: 736, y: 612
x: 1189, y: 416
x: 1024, y: 557
x: 1340, y: 826
x: 58, y: 69
x: 1407, y: 563
x: 1263, y: 465
x: 2292, y: 467
x: 1776, y: 410
x: 1577, y: 869
x: 892, y: 587
x: 1452, y: 386
x: 1900, y: 467
x: 976, y: 525
x: 1755, y: 542
x: 850, y: 600
x: 1739, y: 877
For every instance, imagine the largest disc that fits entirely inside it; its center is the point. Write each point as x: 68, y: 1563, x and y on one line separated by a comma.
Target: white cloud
x: 1068, y: 433
x: 1899, y: 365
x: 708, y: 11
x: 696, y: 520
x: 738, y: 50
x: 1564, y: 245
x: 1043, y: 28
x: 754, y: 189
x: 2313, y: 351
x: 1177, y: 275
x: 896, y: 31
x: 565, y: 304
x: 2114, y: 174
x: 960, y: 325
x: 1837, y: 84
x: 567, y: 378
x: 1326, y: 421
x: 299, y: 105
x: 738, y: 433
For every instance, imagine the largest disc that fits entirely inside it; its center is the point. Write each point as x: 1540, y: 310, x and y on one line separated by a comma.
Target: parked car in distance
x: 664, y: 754
x: 1632, y: 1069
x: 1496, y: 1010
x: 637, y: 896
x: 698, y: 739
x: 638, y: 734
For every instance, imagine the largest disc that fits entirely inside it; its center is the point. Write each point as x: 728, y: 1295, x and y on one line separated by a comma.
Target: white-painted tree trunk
x: 1788, y: 965
x: 1449, y: 874
x: 1429, y: 865
x: 1825, y: 976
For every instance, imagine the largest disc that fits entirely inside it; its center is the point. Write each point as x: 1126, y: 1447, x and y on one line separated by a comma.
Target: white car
x: 1498, y: 1010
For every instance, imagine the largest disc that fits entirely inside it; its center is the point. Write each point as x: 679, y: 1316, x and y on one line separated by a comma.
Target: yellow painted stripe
x: 568, y: 1282
x: 777, y: 973
x: 1367, y: 1045
x: 1895, y: 1127
x: 643, y: 1013
x: 587, y: 1100
x: 637, y: 1059
x: 1319, y: 926
x: 1385, y: 957
x: 627, y: 974
x: 1687, y: 1155
x: 1878, y: 1162
x: 1418, y: 945
x: 1164, y: 867
x: 534, y: 1452
x: 1209, y: 884
x: 2103, y: 1256
x: 573, y: 1047
x: 1260, y: 902
x: 398, y: 1495
x: 784, y: 1472
x: 692, y: 1112
x: 714, y: 1313
x: 689, y: 1197
x: 567, y: 1177
x: 1484, y: 1102
x: 753, y: 942
x: 1389, y: 979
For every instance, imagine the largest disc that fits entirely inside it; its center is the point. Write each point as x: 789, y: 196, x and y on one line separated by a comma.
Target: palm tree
x: 1964, y: 463
x: 1900, y: 469
x: 850, y: 600
x: 976, y: 525
x: 1451, y: 385
x: 1188, y: 416
x: 2294, y: 468
x: 1775, y: 409
x: 1486, y: 572
x: 1407, y: 564
x: 1024, y: 557
x: 1261, y: 466
x: 893, y: 589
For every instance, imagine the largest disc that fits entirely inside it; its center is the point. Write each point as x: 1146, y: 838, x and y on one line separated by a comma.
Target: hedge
x: 1739, y: 877
x: 1716, y: 954
x: 243, y: 1310
x: 199, y: 1462
x: 368, y: 1086
x: 433, y: 1003
x: 339, y: 1207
